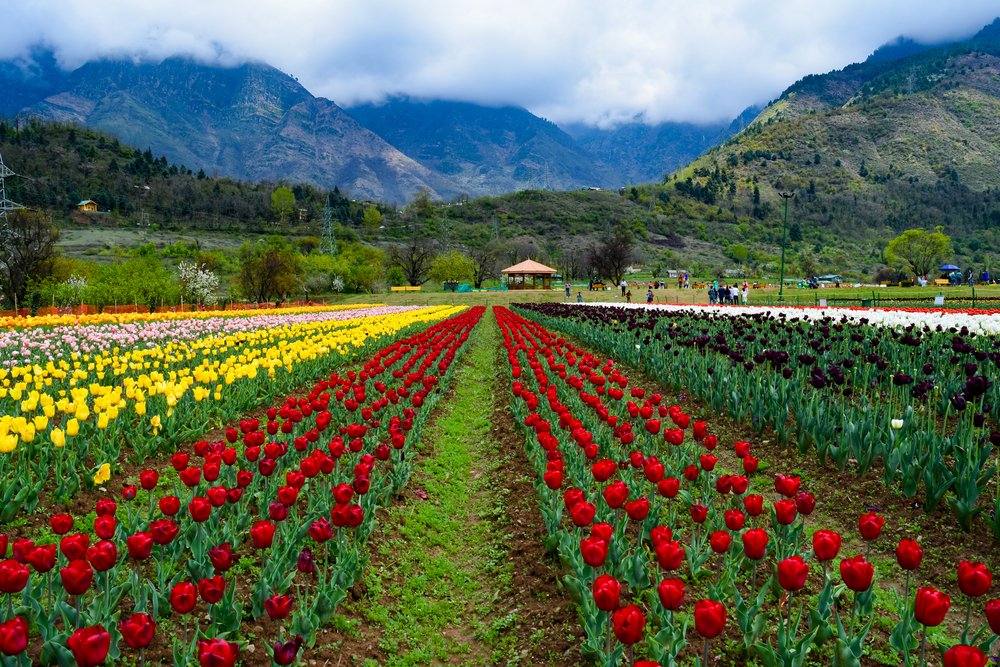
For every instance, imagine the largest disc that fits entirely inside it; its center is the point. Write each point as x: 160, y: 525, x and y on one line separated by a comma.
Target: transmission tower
x: 329, y: 241
x: 6, y: 204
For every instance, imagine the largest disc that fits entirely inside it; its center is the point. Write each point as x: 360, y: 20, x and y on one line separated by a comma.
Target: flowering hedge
x: 641, y: 515
x: 277, y: 505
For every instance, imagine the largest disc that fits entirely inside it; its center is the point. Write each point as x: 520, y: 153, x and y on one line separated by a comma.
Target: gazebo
x: 517, y: 276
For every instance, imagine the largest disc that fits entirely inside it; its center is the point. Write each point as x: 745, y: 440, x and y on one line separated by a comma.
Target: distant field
x: 98, y: 243
x: 955, y: 296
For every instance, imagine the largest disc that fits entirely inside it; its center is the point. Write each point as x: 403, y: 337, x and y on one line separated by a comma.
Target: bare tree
x: 484, y: 258
x: 414, y: 258
x: 612, y: 256
x: 28, y: 250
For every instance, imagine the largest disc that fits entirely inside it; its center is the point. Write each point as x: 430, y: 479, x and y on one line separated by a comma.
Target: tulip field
x: 242, y: 487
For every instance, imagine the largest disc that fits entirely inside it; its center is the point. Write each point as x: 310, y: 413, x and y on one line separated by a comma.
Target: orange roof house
x: 517, y: 276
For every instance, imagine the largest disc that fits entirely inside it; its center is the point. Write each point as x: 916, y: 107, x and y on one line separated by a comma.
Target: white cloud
x: 585, y: 60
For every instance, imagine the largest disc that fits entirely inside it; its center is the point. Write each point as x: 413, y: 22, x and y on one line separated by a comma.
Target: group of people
x: 731, y: 294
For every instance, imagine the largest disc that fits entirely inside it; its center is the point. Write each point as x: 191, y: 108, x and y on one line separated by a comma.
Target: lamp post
x: 784, y: 235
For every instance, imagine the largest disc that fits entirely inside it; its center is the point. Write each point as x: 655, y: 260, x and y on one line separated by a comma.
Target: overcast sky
x: 598, y: 62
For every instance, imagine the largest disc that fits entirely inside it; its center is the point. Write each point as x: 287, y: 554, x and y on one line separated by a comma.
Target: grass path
x: 459, y: 577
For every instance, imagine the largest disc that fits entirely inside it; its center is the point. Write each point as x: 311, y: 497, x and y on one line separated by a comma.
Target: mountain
x: 28, y: 80
x: 641, y: 152
x: 486, y: 150
x: 248, y: 122
x: 908, y: 138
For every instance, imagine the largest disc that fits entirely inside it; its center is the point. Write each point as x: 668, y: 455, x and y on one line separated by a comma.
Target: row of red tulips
x: 642, y: 515
x: 227, y: 530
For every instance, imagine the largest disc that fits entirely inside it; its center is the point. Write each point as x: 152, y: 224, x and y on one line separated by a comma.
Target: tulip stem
x: 704, y: 653
x: 854, y: 612
x: 923, y: 648
x: 906, y: 595
x: 968, y: 619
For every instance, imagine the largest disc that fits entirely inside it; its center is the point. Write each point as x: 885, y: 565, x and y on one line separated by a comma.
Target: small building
x: 87, y: 205
x: 529, y: 274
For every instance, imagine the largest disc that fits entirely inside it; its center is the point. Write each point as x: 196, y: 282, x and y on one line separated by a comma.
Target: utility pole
x: 784, y: 234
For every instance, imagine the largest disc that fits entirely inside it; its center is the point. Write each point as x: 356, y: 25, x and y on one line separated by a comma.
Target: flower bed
x: 640, y: 513
x: 916, y: 401
x: 63, y: 422
x: 269, y: 523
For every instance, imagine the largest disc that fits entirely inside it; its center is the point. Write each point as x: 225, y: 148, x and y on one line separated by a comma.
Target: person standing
x: 649, y: 296
x: 567, y: 289
x: 624, y: 286
x: 746, y: 293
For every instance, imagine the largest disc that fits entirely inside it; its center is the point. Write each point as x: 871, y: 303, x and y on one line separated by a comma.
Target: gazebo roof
x: 529, y: 266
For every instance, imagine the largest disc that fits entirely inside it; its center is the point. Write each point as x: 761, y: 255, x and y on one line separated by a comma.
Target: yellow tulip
x: 58, y: 437
x: 102, y: 421
x: 72, y: 427
x: 103, y: 474
x: 8, y: 443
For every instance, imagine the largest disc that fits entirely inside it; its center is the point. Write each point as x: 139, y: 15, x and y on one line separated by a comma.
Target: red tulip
x: 668, y: 487
x: 607, y: 591
x: 826, y: 544
x: 106, y: 507
x: 582, y: 513
x: 615, y: 494
x: 217, y: 653
x: 755, y: 543
x: 20, y: 549
x: 720, y: 541
x: 105, y: 526
x: 671, y: 593
x: 974, y: 579
x: 857, y: 573
x: 754, y: 504
x: 784, y: 511
x: 13, y: 576
x: 221, y: 557
x: 148, y: 479
x: 90, y: 646
x: 670, y: 555
x: 321, y: 530
x: 43, y: 558
x: 602, y: 531
x: 792, y: 573
x: 707, y: 462
x: 200, y: 509
x: 77, y: 577
x: 129, y: 492
x: 709, y: 618
x: 61, y: 523
x: 787, y: 485
x: 212, y: 589
x: 637, y: 510
x: 183, y: 597
x: 278, y: 607
x: 628, y: 624
x: 870, y: 525
x: 262, y: 534
x: 909, y: 554
x: 553, y: 479
x: 190, y: 477
x: 163, y: 530
x: 179, y: 460
x: 74, y: 547
x: 735, y: 519
x: 660, y: 534
x: 594, y: 551
x: 750, y: 464
x: 993, y: 615
x: 699, y: 513
x: 13, y: 636
x: 963, y: 655
x: 103, y: 555
x: 931, y: 606
x: 169, y: 505
x: 805, y: 503
x: 137, y: 630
